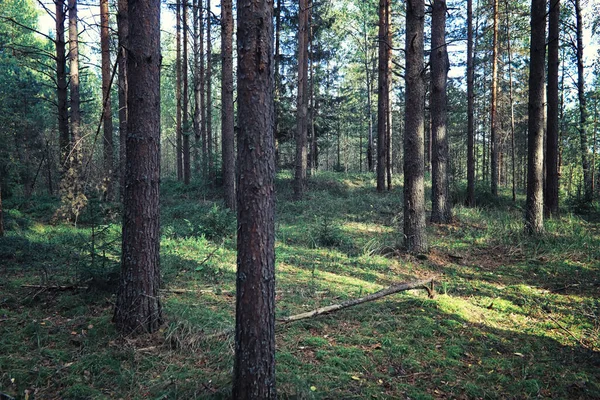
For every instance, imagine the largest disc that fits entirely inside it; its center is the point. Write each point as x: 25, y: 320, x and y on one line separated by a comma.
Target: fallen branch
x: 183, y: 291
x: 55, y: 288
x: 421, y: 284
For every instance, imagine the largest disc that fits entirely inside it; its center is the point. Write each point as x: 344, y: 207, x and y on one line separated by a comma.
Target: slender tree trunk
x: 551, y: 162
x: 594, y: 144
x: 254, y: 365
x: 382, y: 96
x: 369, y: 86
x: 61, y: 84
x: 470, y: 109
x: 512, y: 104
x: 440, y: 210
x: 138, y: 308
x: 585, y: 163
x: 388, y: 110
x: 107, y: 109
x: 197, y: 117
x: 209, y: 133
x: 312, y: 145
x: 415, y: 239
x: 123, y: 33
x: 1, y: 214
x: 186, y: 120
x: 203, y: 110
x: 179, y: 136
x: 227, y: 112
x: 494, y: 146
x: 302, y: 102
x: 535, y: 147
x: 277, y: 78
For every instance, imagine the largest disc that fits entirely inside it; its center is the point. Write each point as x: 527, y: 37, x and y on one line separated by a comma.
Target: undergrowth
x: 514, y: 316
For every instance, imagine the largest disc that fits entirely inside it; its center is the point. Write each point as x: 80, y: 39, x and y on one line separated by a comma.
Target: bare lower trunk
x: 440, y: 210
x: 138, y: 308
x: 415, y: 239
x: 254, y: 365
x: 382, y: 96
x: 197, y: 119
x: 227, y: 112
x: 535, y: 147
x: 123, y: 32
x: 470, y: 109
x: 106, y: 103
x: 302, y: 103
x: 585, y: 163
x: 186, y: 120
x: 61, y: 85
x: 494, y: 146
x: 178, y: 134
x: 551, y: 162
x: 209, y: 133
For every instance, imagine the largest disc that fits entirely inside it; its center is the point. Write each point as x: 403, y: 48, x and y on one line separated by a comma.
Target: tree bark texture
x: 178, y: 130
x: 1, y: 215
x: 535, y: 139
x: 551, y: 162
x: 138, y: 307
x: 209, y: 132
x: 123, y: 33
x: 512, y: 105
x: 197, y: 117
x: 494, y: 147
x: 302, y: 103
x: 470, y: 109
x: 440, y: 210
x: 585, y: 162
x: 382, y: 96
x: 227, y: 110
x: 415, y: 239
x: 61, y: 84
x: 106, y: 103
x: 388, y: 110
x: 186, y: 120
x: 254, y: 365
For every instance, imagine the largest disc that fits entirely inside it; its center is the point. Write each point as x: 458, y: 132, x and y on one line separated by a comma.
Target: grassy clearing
x: 514, y: 317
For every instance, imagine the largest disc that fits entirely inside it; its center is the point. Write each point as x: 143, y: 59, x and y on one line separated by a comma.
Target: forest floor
x: 513, y: 317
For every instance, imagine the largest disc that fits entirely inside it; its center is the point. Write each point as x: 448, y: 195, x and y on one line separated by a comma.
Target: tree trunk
x: 276, y: 100
x: 186, y: 120
x: 388, y: 110
x: 178, y: 134
x: 369, y: 87
x: 551, y: 187
x: 440, y: 210
x: 585, y: 163
x: 123, y: 33
x: 227, y: 112
x: 106, y: 103
x: 382, y: 96
x: 61, y: 85
x: 415, y: 239
x: 470, y: 109
x: 535, y: 147
x: 1, y: 214
x: 138, y: 308
x: 494, y: 147
x: 197, y: 117
x: 209, y: 136
x: 203, y: 111
x: 254, y: 365
x: 512, y: 109
x: 302, y: 102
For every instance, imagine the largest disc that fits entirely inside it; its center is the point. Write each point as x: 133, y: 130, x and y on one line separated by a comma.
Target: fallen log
x: 420, y: 284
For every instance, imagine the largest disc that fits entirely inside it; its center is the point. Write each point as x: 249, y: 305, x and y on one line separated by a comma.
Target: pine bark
x: 123, y: 33
x: 494, y: 147
x: 302, y: 103
x: 512, y: 107
x: 415, y: 239
x: 534, y: 212
x: 585, y: 162
x: 551, y: 162
x: 184, y: 75
x: 209, y: 132
x: 61, y: 84
x: 138, y: 307
x: 196, y: 118
x: 178, y: 133
x: 382, y: 96
x: 440, y: 210
x: 470, y: 109
x: 227, y: 110
x: 254, y: 365
x: 369, y: 87
x: 1, y: 214
x: 106, y: 103
x: 388, y: 109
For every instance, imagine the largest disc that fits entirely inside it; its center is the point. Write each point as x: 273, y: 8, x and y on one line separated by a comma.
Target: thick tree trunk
x: 61, y: 85
x: 382, y: 96
x: 227, y: 112
x: 534, y: 212
x: 107, y: 109
x: 178, y: 133
x: 186, y: 120
x: 209, y: 135
x: 494, y: 147
x: 138, y: 308
x: 440, y: 210
x: 302, y: 103
x: 551, y: 187
x: 470, y: 109
x: 254, y: 366
x: 585, y: 162
x: 123, y: 33
x: 415, y: 239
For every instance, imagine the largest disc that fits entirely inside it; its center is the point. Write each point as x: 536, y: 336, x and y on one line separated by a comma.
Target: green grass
x: 513, y: 317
